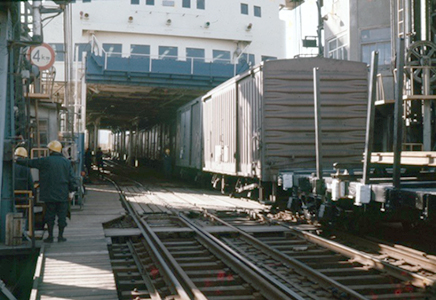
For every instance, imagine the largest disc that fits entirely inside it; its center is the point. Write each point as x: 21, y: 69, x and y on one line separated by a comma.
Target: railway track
x: 340, y: 269
x: 294, y: 263
x: 191, y: 264
x: 403, y: 257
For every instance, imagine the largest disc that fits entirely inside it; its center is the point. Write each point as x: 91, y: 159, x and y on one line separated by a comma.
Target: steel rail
x: 308, y: 271
x: 269, y: 287
x: 147, y: 280
x: 148, y: 238
x: 364, y: 258
x: 198, y: 295
x: 415, y: 257
x: 276, y: 272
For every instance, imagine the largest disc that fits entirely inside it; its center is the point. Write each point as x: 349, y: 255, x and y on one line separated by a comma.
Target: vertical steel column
x: 407, y: 22
x: 123, y: 144
x: 5, y: 192
x: 398, y: 115
x: 114, y: 143
x: 317, y: 106
x: 95, y: 136
x: 3, y: 85
x: 131, y: 148
x: 9, y: 30
x: 37, y: 28
x: 370, y: 116
x: 427, y: 113
x: 320, y: 28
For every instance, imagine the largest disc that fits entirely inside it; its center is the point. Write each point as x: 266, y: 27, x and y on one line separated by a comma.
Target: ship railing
x: 99, y: 51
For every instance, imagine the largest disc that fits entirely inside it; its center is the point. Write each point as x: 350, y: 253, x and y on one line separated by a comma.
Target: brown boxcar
x: 262, y: 121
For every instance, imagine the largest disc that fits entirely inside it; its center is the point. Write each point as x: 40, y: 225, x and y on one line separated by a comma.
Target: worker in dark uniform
x: 167, y: 164
x: 56, y: 180
x: 99, y: 160
x: 23, y: 180
x: 88, y: 161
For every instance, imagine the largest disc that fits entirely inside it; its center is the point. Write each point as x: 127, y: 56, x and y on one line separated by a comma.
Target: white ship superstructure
x: 220, y: 31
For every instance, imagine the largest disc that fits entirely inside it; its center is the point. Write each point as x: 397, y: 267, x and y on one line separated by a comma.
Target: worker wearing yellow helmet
x: 56, y: 180
x: 23, y: 180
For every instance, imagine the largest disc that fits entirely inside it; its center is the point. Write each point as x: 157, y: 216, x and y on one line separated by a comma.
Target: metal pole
x: 96, y: 123
x: 37, y: 28
x: 398, y: 112
x: 5, y: 72
x: 370, y: 116
x: 317, y: 107
x: 38, y: 137
x: 320, y: 28
x: 131, y: 146
x: 427, y: 114
x: 66, y: 72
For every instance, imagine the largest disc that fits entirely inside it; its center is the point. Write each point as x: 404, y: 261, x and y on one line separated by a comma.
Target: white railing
x: 98, y: 50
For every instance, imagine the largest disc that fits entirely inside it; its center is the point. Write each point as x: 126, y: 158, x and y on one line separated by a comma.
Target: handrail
x: 95, y: 43
x: 29, y: 206
x: 99, y: 51
x: 411, y: 72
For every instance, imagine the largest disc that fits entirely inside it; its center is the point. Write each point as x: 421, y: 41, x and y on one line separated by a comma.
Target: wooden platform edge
x: 39, y: 271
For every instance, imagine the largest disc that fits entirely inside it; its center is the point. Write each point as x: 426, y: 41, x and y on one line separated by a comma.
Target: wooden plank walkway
x: 80, y: 267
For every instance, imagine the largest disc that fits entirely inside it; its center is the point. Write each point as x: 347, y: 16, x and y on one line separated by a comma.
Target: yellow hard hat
x: 55, y: 146
x: 21, y: 152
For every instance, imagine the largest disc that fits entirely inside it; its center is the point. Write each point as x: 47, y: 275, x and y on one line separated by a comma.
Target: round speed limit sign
x: 42, y: 56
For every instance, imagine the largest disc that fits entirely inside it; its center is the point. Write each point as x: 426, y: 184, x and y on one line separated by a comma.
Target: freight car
x: 260, y: 123
x: 189, y: 140
x: 254, y: 135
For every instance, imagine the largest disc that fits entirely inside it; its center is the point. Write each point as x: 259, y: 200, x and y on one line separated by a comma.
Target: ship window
x: 265, y: 58
x: 378, y: 39
x: 149, y: 2
x: 186, y: 3
x: 201, y: 4
x: 134, y: 1
x: 257, y: 11
x: 221, y: 57
x: 246, y: 58
x: 168, y: 53
x: 81, y: 47
x: 43, y: 131
x: 195, y: 54
x: 139, y: 51
x: 384, y: 52
x: 337, y: 47
x: 113, y: 50
x: 168, y: 3
x: 59, y: 50
x: 244, y: 9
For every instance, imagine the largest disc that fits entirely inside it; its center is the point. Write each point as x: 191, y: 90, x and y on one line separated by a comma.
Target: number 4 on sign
x: 42, y: 56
